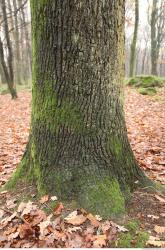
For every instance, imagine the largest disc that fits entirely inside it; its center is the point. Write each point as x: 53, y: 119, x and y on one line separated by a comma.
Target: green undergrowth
x: 134, y: 238
x: 146, y: 85
x: 4, y: 89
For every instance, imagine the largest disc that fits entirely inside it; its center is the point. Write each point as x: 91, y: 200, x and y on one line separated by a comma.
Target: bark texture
x: 78, y: 146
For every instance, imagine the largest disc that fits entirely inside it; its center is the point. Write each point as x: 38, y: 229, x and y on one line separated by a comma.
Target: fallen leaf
x: 152, y: 216
x: 100, y: 241
x: 156, y: 243
x: 8, y: 219
x: 11, y: 203
x: 26, y: 208
x: 13, y: 236
x: 1, y: 213
x: 76, y: 220
x: 25, y: 230
x: 38, y: 217
x: 44, y: 199
x: 74, y: 229
x: 159, y: 229
x: 93, y: 220
x: 160, y: 198
x: 58, y: 209
x: 43, y: 226
x: 98, y: 217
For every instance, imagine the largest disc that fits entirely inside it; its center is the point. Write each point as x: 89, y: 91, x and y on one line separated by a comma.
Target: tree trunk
x: 5, y: 70
x: 10, y: 53
x: 133, y: 44
x: 78, y: 147
x: 2, y: 75
x: 154, y: 52
x: 144, y: 60
x: 25, y: 33
x: 17, y: 45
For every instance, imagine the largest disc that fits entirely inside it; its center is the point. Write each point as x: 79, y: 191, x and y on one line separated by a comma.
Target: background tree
x: 18, y: 31
x: 157, y: 32
x: 134, y: 40
x: 78, y: 146
x: 8, y: 70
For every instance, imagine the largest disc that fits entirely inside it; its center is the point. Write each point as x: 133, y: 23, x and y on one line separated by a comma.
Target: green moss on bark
x: 103, y: 197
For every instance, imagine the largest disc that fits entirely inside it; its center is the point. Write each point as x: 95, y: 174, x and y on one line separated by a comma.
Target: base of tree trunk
x: 102, y: 194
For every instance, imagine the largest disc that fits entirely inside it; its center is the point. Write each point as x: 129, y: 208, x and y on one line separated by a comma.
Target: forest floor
x: 27, y: 225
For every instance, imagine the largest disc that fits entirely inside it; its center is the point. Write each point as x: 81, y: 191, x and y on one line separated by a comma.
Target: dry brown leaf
x: 156, y: 243
x: 74, y: 242
x: 11, y: 203
x: 43, y: 226
x: 25, y: 230
x: 159, y: 198
x: 74, y: 229
x: 44, y: 199
x: 93, y: 220
x: 13, y: 236
x: 159, y: 229
x: 1, y: 213
x: 58, y: 209
x: 152, y: 216
x: 100, y: 241
x: 8, y: 219
x: 76, y: 220
x: 26, y: 208
x: 38, y: 217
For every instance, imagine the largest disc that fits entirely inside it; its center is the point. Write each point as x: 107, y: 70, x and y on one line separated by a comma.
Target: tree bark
x: 78, y: 147
x: 133, y: 44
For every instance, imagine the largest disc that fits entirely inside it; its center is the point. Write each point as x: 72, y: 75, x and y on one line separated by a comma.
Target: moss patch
x: 147, y: 91
x: 146, y: 84
x: 134, y: 238
x: 104, y: 198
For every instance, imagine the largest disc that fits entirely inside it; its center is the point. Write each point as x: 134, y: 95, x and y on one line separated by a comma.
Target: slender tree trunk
x: 154, y: 52
x: 17, y: 45
x: 28, y: 57
x: 5, y: 70
x: 10, y: 52
x: 144, y: 59
x: 133, y: 44
x: 2, y: 75
x: 78, y: 146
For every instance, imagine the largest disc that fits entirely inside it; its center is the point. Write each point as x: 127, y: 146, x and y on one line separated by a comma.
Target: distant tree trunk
x: 17, y: 45
x: 2, y: 75
x: 157, y: 32
x: 154, y: 52
x: 144, y: 59
x: 78, y: 147
x: 137, y: 60
x: 10, y: 74
x: 25, y: 34
x: 133, y: 44
x: 6, y: 73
